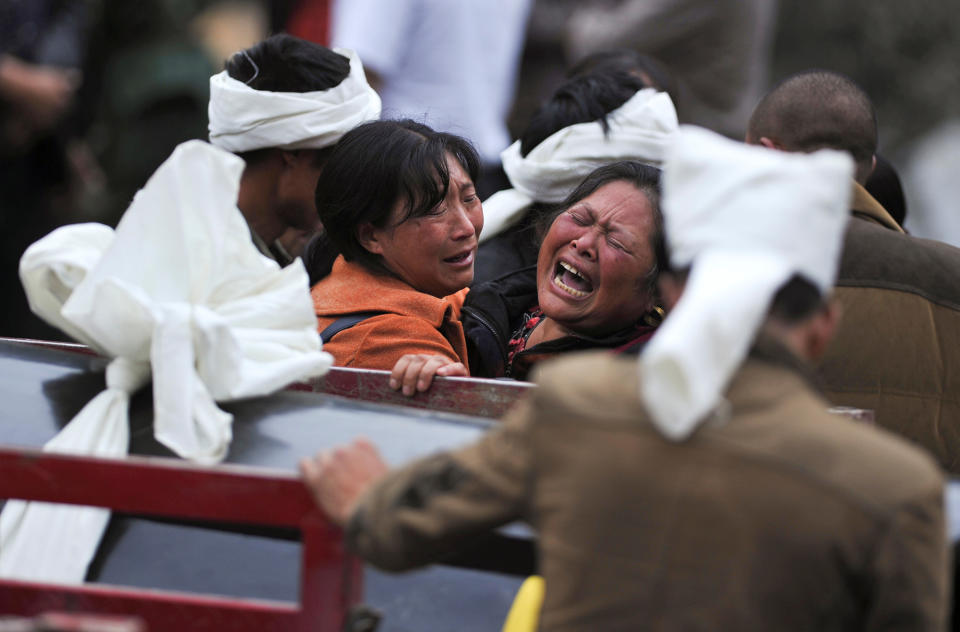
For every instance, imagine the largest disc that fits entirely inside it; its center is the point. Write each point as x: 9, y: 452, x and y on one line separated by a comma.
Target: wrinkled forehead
x: 619, y: 206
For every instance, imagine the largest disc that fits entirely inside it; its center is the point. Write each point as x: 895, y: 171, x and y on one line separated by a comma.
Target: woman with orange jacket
x: 398, y: 202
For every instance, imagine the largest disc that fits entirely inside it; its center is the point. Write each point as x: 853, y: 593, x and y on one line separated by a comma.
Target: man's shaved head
x: 817, y: 109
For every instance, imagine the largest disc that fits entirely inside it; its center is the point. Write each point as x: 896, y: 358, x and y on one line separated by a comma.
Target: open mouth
x: 462, y: 258
x: 572, y: 281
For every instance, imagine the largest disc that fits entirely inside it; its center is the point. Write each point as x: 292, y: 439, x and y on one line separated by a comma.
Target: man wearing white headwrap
x: 562, y: 144
x: 772, y: 515
x: 281, y: 105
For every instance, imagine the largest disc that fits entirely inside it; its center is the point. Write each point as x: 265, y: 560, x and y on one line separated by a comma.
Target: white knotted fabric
x: 244, y: 119
x: 746, y: 219
x: 178, y: 292
x: 54, y: 266
x: 641, y: 129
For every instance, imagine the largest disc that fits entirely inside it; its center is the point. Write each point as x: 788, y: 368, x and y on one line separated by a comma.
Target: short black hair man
x: 897, y: 350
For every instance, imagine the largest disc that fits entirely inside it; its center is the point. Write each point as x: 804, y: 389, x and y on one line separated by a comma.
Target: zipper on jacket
x: 496, y: 334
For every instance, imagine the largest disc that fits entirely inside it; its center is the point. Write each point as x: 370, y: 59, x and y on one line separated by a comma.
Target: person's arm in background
x: 39, y: 78
x: 655, y: 23
x: 39, y: 95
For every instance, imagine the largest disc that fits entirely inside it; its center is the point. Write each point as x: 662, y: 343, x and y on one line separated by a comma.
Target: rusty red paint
x: 330, y: 581
x: 466, y: 396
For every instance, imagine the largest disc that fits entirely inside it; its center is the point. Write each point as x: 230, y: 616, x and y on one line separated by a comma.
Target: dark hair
x: 375, y: 166
x: 817, y: 109
x: 581, y: 99
x: 653, y: 73
x: 318, y: 257
x: 795, y: 301
x: 284, y: 63
x: 884, y: 185
x: 642, y: 176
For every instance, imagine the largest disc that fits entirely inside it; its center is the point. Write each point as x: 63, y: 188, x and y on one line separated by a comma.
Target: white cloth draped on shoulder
x: 243, y: 119
x: 640, y: 129
x: 745, y: 219
x: 178, y: 293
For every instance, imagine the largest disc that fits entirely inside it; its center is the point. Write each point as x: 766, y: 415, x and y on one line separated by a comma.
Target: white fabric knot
x: 46, y: 541
x: 178, y: 292
x: 186, y: 419
x: 126, y: 375
x: 745, y: 219
x: 53, y: 267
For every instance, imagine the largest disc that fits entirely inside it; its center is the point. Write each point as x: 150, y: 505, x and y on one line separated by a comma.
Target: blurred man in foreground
x: 721, y: 495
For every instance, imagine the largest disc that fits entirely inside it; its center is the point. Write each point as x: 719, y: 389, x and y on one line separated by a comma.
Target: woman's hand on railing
x: 414, y: 372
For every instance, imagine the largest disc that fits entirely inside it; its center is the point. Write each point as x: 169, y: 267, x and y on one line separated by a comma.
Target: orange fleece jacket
x: 414, y: 322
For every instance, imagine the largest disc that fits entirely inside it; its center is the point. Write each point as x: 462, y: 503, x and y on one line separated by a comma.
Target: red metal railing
x: 466, y: 396
x: 331, y: 579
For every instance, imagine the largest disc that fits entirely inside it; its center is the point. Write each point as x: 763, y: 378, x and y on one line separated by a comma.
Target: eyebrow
x: 464, y: 184
x: 608, y: 228
x: 589, y: 209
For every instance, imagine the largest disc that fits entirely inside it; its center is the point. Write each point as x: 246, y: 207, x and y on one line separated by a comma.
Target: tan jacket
x: 897, y: 350
x: 783, y: 518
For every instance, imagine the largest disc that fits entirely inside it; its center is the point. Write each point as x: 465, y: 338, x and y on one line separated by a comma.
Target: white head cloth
x: 244, y: 119
x: 746, y: 219
x: 640, y: 129
x: 180, y: 292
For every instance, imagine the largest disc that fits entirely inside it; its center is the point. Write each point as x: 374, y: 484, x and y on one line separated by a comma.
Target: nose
x: 467, y: 222
x: 586, y: 245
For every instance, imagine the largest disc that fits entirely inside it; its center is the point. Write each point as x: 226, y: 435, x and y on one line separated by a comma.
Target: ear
x: 770, y: 143
x: 299, y: 158
x: 670, y: 290
x: 821, y: 329
x: 289, y: 158
x: 369, y: 237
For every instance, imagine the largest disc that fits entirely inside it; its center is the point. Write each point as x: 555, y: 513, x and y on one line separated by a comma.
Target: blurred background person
x: 148, y: 84
x: 42, y: 44
x: 717, y: 51
x: 904, y: 55
x: 451, y: 65
x: 307, y: 19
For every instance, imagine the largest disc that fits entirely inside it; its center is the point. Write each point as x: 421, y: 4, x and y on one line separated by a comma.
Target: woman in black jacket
x: 592, y: 287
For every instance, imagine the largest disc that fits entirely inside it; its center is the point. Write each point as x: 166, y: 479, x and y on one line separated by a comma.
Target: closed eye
x: 617, y: 245
x: 579, y: 219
